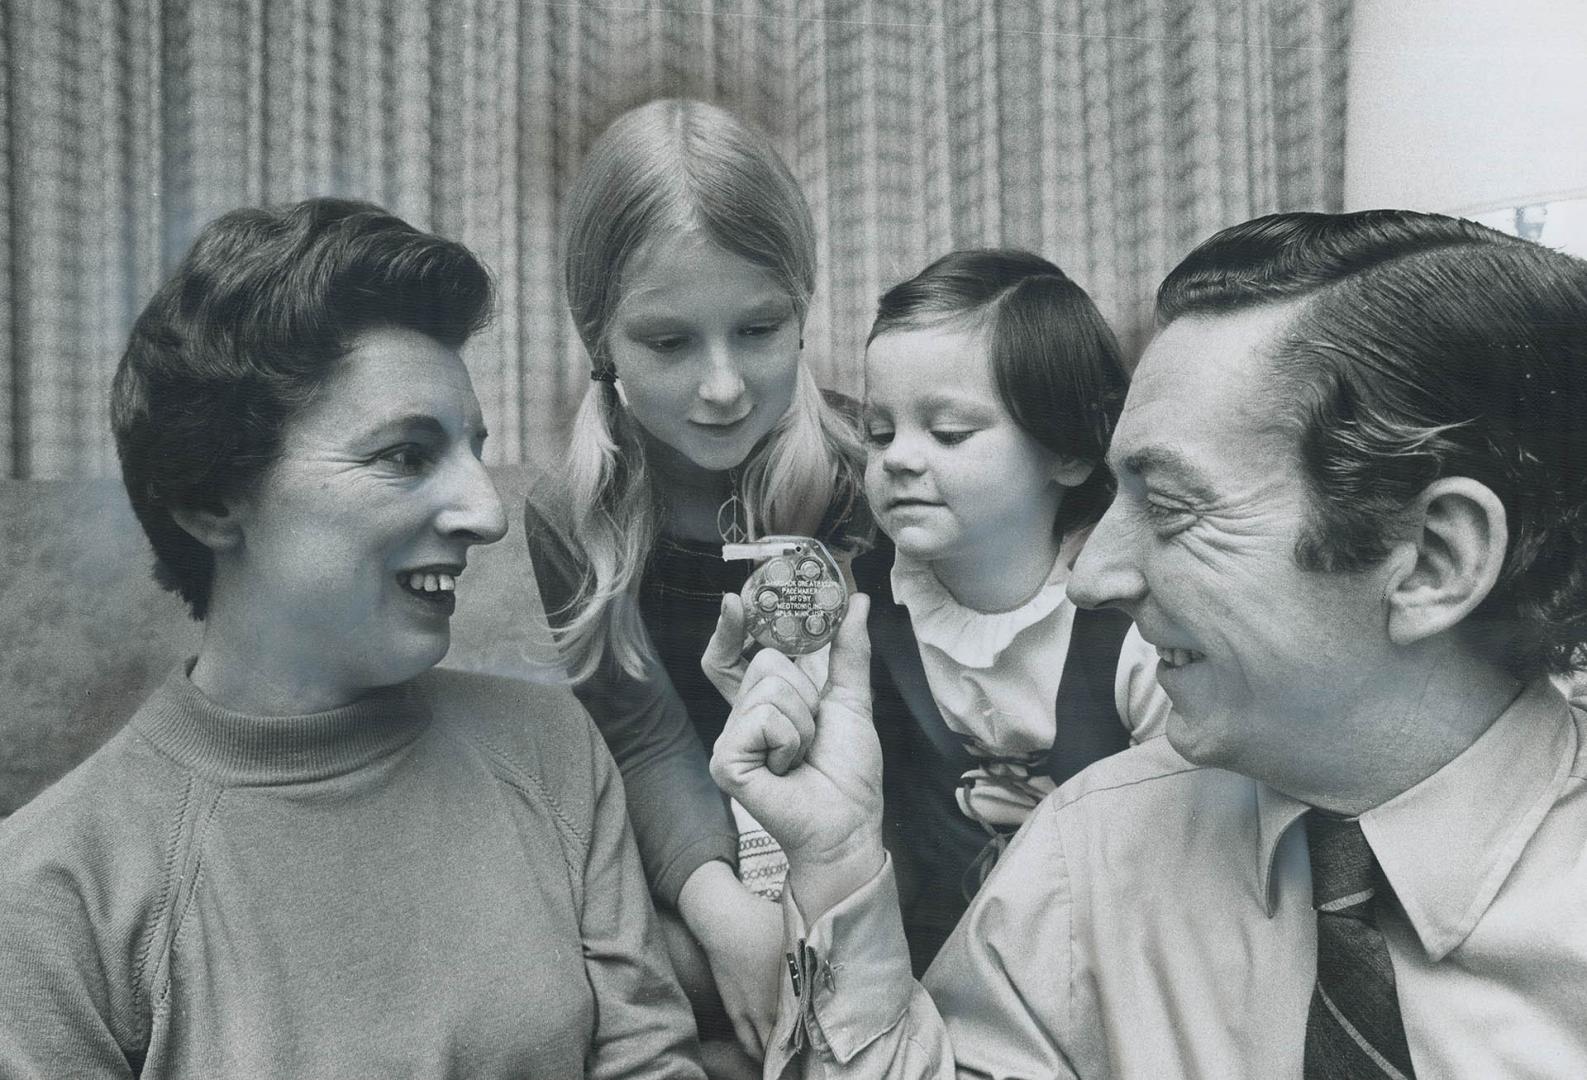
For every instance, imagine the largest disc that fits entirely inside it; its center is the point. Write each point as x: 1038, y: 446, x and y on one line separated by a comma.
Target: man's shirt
x: 1154, y: 919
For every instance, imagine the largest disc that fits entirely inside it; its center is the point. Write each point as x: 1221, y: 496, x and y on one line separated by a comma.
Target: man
x: 1352, y: 516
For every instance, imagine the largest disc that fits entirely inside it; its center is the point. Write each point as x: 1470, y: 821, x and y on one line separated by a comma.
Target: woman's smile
x: 434, y: 586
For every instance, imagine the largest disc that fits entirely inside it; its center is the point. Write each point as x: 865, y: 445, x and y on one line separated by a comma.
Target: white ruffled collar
x: 969, y: 637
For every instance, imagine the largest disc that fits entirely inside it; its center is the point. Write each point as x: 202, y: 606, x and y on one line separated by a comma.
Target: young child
x: 992, y: 387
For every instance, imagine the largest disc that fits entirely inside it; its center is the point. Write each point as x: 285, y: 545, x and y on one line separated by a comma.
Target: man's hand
x: 806, y: 763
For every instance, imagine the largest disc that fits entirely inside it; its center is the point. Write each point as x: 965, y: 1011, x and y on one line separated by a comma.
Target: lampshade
x: 1472, y: 107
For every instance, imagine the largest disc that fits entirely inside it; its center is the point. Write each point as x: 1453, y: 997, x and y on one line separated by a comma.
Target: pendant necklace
x: 731, y: 518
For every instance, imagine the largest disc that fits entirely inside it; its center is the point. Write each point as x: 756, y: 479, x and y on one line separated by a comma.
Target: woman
x: 309, y: 854
x: 690, y: 262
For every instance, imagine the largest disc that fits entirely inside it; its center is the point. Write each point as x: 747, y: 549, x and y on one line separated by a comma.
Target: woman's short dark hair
x: 1054, y: 359
x: 1425, y: 346
x: 243, y: 334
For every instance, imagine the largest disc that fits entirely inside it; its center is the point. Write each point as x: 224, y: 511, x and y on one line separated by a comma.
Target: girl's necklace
x: 730, y: 517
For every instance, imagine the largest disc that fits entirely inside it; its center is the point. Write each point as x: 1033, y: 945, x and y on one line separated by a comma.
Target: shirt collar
x: 1493, y: 796
x: 973, y: 638
x: 1447, y: 844
x: 1275, y: 813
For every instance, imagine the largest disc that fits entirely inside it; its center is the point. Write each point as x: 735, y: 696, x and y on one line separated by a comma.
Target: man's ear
x: 217, y: 525
x: 1457, y: 536
x: 1072, y: 472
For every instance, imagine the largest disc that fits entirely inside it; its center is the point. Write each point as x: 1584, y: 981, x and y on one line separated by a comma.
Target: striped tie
x: 1353, y: 1030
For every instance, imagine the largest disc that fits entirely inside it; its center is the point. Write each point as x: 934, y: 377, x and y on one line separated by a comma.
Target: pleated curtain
x: 1109, y: 135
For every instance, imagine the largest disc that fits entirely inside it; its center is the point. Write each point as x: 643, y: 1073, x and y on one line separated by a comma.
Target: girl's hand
x: 724, y: 662
x: 808, y: 766
x: 741, y: 936
x: 746, y: 956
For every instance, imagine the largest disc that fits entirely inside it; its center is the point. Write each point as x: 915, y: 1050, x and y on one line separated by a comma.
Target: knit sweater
x: 436, y: 881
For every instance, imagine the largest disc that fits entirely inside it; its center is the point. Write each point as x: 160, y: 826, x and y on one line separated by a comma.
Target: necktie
x: 1353, y: 1029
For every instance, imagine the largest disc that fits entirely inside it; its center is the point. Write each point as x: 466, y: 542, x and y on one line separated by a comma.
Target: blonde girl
x: 690, y: 261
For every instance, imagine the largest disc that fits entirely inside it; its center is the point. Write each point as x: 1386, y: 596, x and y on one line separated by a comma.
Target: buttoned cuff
x: 848, y: 979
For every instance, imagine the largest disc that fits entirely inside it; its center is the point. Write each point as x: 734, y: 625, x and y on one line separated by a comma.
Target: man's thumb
x: 849, y: 668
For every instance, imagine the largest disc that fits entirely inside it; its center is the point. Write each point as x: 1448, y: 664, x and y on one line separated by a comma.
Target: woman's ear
x: 218, y: 526
x: 1454, y: 548
x: 1072, y: 472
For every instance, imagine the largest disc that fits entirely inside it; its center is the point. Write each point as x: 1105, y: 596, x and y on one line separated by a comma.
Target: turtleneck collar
x: 238, y: 748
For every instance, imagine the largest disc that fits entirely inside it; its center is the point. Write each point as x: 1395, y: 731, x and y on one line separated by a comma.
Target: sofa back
x: 86, y: 634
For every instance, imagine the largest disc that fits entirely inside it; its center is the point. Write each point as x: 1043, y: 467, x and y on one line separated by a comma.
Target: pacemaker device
x: 795, y: 599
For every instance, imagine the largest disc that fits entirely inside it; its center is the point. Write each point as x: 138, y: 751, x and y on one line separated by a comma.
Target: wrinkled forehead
x: 1203, y: 390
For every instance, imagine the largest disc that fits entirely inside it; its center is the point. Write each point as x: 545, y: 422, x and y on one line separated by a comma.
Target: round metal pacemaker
x: 795, y: 601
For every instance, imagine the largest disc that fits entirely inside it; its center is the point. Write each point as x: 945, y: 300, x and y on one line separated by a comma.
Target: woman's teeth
x: 431, y: 582
x: 1177, y: 658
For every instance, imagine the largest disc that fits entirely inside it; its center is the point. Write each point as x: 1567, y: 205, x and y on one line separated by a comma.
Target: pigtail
x: 614, y: 525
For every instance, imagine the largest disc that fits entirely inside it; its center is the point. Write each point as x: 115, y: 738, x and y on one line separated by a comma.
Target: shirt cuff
x: 852, y: 970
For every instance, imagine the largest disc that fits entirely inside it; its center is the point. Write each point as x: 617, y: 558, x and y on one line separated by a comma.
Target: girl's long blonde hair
x: 668, y: 167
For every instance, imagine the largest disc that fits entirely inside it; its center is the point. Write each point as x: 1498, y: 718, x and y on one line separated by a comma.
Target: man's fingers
x: 759, y: 735
x: 787, y: 744
x: 849, y: 669
x: 769, y: 665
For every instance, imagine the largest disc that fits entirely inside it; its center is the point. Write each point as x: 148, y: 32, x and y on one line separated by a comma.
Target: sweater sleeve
x: 542, y: 744
x: 67, y: 990
x: 644, y: 1027
x: 680, y: 819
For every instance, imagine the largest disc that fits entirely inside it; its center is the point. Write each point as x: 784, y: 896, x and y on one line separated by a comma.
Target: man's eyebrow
x: 1171, y: 464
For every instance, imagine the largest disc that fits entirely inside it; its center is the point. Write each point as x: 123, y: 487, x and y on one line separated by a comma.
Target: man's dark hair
x: 1423, y: 347
x: 1054, y: 360
x: 242, y: 335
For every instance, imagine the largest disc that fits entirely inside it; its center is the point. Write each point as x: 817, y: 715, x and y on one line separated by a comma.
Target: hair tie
x: 604, y: 374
